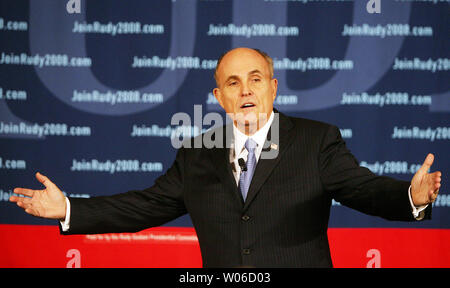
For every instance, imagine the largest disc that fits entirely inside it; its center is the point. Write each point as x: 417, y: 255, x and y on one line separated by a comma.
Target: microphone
x: 242, y: 164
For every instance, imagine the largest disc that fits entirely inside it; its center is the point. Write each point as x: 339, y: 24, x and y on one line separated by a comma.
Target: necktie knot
x: 250, y: 145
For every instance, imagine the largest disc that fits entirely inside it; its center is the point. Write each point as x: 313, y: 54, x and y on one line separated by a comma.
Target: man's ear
x: 274, y: 83
x: 218, y: 94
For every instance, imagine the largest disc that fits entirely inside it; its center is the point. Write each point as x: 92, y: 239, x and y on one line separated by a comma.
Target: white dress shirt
x: 239, y: 150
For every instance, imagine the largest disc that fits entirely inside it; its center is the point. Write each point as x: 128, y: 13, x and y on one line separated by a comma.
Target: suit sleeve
x: 134, y: 210
x: 357, y: 187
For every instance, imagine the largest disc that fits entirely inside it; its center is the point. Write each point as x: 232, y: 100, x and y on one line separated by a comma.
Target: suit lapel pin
x: 274, y: 146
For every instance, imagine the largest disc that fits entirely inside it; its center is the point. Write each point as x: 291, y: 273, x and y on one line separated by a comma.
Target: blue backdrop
x: 83, y: 93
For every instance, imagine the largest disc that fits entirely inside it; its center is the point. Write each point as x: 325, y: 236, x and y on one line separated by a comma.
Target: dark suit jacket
x: 283, y: 222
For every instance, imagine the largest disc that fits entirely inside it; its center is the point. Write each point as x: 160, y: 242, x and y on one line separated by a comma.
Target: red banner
x: 43, y: 246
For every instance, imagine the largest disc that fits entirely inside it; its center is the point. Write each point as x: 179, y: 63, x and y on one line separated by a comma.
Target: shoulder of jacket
x: 309, y: 124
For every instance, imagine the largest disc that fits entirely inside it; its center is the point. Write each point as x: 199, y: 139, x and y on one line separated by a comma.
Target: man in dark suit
x: 250, y: 210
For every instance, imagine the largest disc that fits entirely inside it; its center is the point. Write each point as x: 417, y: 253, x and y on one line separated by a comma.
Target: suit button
x: 245, y: 217
x: 246, y: 251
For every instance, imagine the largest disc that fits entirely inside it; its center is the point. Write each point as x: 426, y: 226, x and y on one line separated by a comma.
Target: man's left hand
x: 425, y: 186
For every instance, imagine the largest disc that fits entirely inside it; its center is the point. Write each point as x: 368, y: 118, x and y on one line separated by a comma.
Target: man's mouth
x: 247, y: 105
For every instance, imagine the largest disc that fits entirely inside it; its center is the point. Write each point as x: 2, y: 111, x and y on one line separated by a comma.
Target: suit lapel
x: 221, y: 159
x: 265, y: 166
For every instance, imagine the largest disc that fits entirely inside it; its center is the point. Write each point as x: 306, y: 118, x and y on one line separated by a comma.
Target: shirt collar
x: 259, y: 137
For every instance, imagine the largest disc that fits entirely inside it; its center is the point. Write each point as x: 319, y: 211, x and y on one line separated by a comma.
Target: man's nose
x: 246, y: 91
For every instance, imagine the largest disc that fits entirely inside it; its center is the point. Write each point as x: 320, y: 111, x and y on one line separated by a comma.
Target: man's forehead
x: 243, y: 60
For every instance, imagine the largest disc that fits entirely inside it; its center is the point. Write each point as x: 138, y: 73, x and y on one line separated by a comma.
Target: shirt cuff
x: 416, y: 211
x: 65, y: 225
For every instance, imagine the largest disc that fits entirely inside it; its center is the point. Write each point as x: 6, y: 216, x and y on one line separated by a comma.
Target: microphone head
x: 242, y: 164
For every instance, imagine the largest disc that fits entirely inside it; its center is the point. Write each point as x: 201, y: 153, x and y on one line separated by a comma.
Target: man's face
x: 245, y: 87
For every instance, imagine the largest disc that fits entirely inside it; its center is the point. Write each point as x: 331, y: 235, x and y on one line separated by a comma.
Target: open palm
x: 47, y: 203
x: 425, y: 186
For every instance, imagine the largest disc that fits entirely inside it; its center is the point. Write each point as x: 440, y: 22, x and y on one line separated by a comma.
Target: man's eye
x: 234, y: 83
x: 256, y: 80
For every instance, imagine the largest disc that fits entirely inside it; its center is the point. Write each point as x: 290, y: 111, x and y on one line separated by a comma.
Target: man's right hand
x: 48, y: 203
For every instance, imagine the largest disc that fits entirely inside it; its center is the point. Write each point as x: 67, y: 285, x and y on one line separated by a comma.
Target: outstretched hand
x: 425, y: 186
x: 48, y: 203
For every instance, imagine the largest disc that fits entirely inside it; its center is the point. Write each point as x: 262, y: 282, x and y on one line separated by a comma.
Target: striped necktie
x: 246, y: 176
